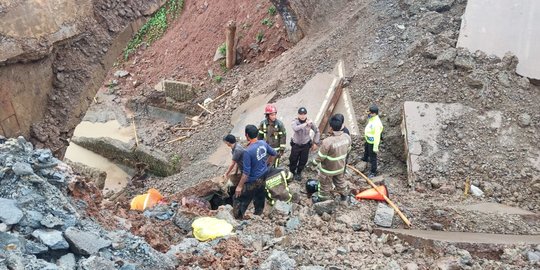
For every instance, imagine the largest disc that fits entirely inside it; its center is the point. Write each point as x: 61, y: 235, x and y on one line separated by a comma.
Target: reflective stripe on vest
x: 332, y: 158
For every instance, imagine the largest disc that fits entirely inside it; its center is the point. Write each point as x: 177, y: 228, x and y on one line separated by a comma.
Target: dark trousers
x: 299, y: 157
x: 252, y: 192
x: 370, y: 156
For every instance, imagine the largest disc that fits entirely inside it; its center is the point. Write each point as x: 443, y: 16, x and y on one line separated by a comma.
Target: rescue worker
x: 257, y: 157
x: 345, y: 130
x: 237, y: 152
x: 277, y: 187
x: 273, y: 131
x: 331, y: 162
x: 301, y: 143
x: 372, y: 134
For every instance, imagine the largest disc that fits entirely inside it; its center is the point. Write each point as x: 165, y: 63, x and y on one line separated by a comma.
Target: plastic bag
x: 209, y: 228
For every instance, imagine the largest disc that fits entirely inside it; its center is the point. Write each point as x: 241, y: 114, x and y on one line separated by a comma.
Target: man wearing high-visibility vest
x: 372, y: 135
x: 273, y: 132
x: 330, y: 161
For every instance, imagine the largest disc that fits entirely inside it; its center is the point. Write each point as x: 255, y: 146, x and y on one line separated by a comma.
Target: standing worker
x: 331, y: 162
x: 237, y: 152
x: 301, y: 143
x: 372, y: 134
x: 273, y: 132
x: 257, y: 156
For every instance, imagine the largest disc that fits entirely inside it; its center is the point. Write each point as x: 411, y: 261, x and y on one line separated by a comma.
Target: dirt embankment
x: 54, y: 60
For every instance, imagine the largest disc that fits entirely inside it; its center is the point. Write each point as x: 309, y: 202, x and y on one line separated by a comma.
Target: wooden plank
x: 331, y: 105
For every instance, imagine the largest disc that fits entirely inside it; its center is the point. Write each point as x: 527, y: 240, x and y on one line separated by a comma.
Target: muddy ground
x: 394, y: 51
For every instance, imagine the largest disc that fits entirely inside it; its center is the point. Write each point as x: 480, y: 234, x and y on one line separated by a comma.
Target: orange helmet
x: 270, y: 108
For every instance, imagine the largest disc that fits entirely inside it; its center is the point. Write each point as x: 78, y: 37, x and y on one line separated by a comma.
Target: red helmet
x: 270, y: 108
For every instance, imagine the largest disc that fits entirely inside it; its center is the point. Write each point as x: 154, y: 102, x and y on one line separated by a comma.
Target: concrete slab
x: 467, y: 237
x: 422, y: 122
x: 495, y: 208
x: 500, y: 26
x: 483, y: 245
x: 315, y: 96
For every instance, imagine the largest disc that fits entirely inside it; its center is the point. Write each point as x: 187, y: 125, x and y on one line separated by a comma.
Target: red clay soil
x: 187, y: 49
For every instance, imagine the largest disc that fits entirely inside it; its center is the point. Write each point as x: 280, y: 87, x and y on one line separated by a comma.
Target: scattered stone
x: 85, y: 243
x: 533, y: 256
x: 437, y: 226
x: 8, y: 241
x: 524, y: 120
x: 311, y: 267
x: 22, y: 168
x: 384, y: 215
x: 292, y: 224
x: 447, y: 58
x: 346, y: 219
x: 94, y: 262
x: 121, y: 73
x: 342, y: 250
x: 465, y: 257
x: 475, y: 79
x: 465, y: 62
x: 218, y: 55
x: 224, y: 212
x: 399, y: 248
x: 439, y: 5
x: 328, y: 206
x: 326, y: 217
x: 3, y: 227
x: 411, y: 266
x: 435, y: 183
x: 51, y: 221
x: 504, y: 78
x: 279, y: 231
x: 32, y: 219
x: 51, y: 238
x: 524, y: 83
x: 10, y: 214
x: 283, y: 208
x: 67, y: 262
x: 393, y: 265
x: 433, y: 22
x: 476, y: 191
x: 35, y: 248
x: 278, y: 260
x: 387, y: 251
x: 183, y: 221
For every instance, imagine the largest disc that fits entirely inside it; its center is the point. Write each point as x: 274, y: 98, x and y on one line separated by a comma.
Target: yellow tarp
x: 208, y: 228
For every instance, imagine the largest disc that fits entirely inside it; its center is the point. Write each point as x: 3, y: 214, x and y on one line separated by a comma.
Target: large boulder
x: 10, y: 214
x: 85, y: 243
x: 52, y: 238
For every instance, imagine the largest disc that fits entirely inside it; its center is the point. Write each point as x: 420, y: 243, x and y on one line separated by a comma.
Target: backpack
x: 276, y: 185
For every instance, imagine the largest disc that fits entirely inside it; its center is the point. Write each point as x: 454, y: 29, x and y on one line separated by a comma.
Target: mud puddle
x: 110, y: 129
x: 117, y: 177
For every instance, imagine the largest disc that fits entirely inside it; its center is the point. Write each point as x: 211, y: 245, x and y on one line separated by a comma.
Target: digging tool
x: 135, y: 131
x: 204, y: 108
x: 177, y: 139
x: 401, y: 215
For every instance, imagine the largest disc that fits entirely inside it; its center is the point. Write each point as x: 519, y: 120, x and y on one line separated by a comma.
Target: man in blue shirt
x: 257, y: 157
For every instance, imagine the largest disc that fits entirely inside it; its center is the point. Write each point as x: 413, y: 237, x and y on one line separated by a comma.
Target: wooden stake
x: 184, y: 128
x: 177, y: 139
x: 135, y: 131
x: 401, y: 215
x: 220, y: 96
x: 230, y: 31
x: 204, y: 108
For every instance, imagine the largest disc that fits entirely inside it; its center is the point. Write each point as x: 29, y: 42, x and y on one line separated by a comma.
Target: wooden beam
x: 331, y: 105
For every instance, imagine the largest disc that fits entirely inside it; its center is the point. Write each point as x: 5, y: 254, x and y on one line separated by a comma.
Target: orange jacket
x: 148, y: 200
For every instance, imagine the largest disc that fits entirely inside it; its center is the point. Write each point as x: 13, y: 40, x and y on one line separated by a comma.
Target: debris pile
x: 41, y: 228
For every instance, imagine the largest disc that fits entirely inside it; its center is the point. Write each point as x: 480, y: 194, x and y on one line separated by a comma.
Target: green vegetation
x: 223, y: 48
x: 267, y: 22
x: 155, y: 27
x: 223, y: 65
x: 218, y: 79
x: 175, y: 160
x: 272, y: 10
x: 260, y: 36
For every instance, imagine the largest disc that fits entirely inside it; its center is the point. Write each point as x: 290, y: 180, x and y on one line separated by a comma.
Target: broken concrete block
x: 328, y: 207
x: 384, y: 215
x: 179, y: 91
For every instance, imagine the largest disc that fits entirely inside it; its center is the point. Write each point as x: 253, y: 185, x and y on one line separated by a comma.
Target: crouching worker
x: 331, y: 162
x: 251, y: 187
x: 277, y: 187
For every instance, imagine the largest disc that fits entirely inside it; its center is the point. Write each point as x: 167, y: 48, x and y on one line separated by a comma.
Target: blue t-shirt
x: 255, y: 160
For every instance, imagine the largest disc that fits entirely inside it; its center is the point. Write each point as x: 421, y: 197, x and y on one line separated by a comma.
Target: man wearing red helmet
x: 273, y: 131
